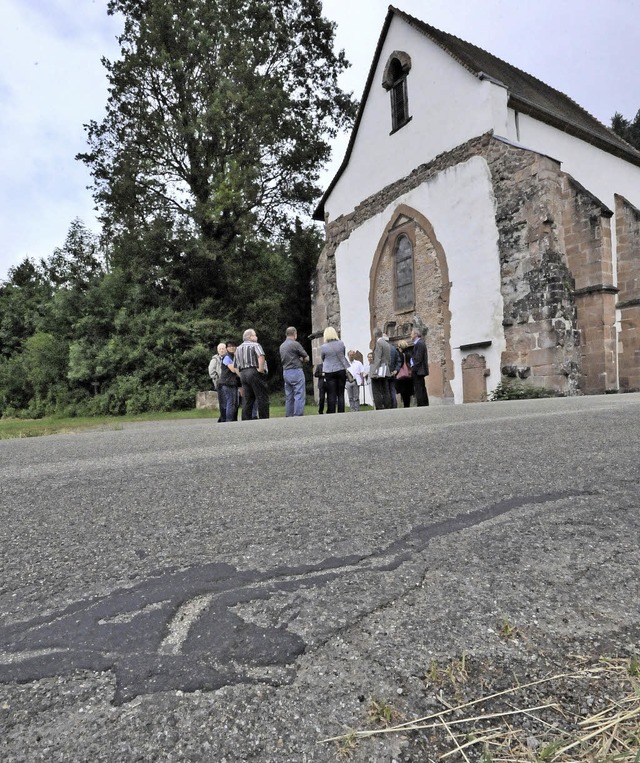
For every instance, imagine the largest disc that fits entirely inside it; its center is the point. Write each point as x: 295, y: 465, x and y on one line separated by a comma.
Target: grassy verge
x: 12, y: 428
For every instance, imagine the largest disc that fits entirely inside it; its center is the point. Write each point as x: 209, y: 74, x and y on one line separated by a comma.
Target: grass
x: 490, y: 728
x: 453, y: 675
x: 382, y: 714
x: 14, y: 428
x: 507, y: 630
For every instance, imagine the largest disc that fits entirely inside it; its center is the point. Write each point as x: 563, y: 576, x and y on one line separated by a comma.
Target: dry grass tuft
x: 492, y: 728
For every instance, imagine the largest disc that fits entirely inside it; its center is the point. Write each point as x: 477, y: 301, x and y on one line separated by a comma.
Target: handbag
x: 404, y: 372
x: 350, y: 376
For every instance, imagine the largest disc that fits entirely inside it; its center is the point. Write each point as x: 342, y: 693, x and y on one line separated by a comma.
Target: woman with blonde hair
x: 334, y: 367
x: 404, y: 381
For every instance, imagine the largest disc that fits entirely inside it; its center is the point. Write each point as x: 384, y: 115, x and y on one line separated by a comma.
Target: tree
x: 24, y: 298
x: 219, y: 116
x: 217, y: 123
x: 45, y: 362
x: 628, y: 130
x: 77, y: 263
x: 303, y: 249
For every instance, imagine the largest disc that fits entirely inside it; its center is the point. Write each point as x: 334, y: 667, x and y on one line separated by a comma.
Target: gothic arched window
x: 395, y: 81
x: 403, y: 261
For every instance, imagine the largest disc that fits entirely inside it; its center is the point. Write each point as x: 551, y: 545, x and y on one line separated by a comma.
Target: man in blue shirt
x: 228, y: 386
x: 293, y: 355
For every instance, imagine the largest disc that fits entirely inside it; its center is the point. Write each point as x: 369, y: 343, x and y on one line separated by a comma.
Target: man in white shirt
x: 356, y: 369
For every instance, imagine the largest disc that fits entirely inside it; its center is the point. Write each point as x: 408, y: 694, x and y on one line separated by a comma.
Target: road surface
x: 197, y: 591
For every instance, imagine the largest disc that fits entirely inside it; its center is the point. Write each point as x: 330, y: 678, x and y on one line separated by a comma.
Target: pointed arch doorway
x: 409, y: 283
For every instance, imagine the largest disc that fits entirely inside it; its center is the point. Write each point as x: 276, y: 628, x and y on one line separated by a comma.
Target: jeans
x: 294, y: 391
x: 228, y: 402
x: 353, y: 392
x: 254, y: 388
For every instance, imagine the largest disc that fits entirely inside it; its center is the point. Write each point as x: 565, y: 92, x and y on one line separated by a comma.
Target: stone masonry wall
x: 540, y: 315
x: 628, y: 251
x: 587, y: 226
x: 555, y: 250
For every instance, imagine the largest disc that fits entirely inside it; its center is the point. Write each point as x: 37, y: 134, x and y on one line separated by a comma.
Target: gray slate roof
x: 527, y: 95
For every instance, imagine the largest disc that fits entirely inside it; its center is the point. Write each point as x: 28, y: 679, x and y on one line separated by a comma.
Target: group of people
x: 390, y: 371
x: 239, y: 374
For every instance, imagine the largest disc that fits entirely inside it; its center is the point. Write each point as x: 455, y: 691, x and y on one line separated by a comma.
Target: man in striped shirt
x: 250, y: 360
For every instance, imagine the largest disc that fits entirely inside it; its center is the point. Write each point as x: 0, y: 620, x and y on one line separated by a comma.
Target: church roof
x: 527, y: 95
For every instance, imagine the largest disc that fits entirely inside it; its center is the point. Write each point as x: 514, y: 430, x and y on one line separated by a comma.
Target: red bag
x: 404, y: 372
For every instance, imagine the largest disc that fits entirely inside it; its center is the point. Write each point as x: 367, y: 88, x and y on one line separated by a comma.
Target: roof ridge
x: 543, y: 101
x: 426, y: 28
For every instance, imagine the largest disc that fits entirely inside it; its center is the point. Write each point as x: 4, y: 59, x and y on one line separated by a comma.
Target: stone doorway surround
x: 432, y: 287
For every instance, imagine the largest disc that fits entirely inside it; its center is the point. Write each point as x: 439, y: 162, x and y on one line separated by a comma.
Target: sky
x: 52, y: 82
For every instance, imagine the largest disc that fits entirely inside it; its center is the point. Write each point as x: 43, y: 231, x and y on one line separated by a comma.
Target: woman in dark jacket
x: 334, y: 366
x: 404, y: 381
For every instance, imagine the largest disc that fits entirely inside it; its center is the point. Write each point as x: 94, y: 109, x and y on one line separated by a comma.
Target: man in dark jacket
x: 395, y: 364
x: 379, y: 371
x: 419, y: 367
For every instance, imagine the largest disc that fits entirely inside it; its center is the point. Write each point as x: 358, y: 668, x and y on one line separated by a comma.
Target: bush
x: 129, y: 395
x: 514, y: 389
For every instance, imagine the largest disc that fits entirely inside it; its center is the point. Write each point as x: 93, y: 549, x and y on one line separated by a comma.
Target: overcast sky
x: 52, y: 82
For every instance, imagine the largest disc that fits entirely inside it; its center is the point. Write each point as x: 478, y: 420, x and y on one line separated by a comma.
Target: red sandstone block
x: 544, y: 357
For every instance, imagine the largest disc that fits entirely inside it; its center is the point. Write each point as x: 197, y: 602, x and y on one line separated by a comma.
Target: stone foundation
x: 207, y: 400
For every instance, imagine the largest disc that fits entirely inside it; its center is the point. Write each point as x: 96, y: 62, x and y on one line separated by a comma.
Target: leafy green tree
x: 303, y: 246
x: 154, y: 360
x: 76, y: 264
x: 218, y: 121
x: 74, y: 271
x: 219, y: 115
x: 24, y: 298
x: 45, y: 362
x: 14, y: 392
x: 627, y: 129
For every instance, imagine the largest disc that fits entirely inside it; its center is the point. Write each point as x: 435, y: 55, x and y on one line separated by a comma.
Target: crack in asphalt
x: 177, y: 630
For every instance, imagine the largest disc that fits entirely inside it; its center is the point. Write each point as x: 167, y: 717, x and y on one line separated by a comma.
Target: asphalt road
x: 196, y: 591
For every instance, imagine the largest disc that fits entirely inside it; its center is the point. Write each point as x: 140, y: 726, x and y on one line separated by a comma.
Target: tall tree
x: 24, y: 299
x: 219, y: 114
x: 627, y: 129
x: 77, y: 263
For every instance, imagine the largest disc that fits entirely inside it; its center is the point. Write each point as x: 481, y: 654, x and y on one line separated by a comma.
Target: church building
x: 480, y: 203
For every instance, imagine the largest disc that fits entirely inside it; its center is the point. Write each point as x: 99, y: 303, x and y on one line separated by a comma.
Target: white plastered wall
x: 459, y: 204
x: 448, y: 104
